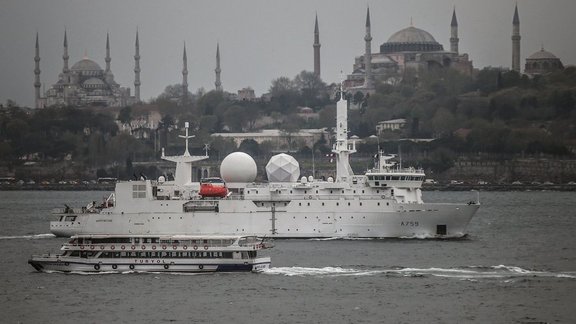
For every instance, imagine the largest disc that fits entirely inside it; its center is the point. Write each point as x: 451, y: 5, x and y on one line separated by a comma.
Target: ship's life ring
x: 114, y: 267
x: 112, y: 247
x: 310, y: 197
x: 133, y: 247
x: 101, y: 247
x: 96, y: 267
x: 383, y: 197
x: 81, y: 247
x: 185, y: 247
x: 153, y: 247
x: 91, y: 247
x: 143, y: 247
x: 205, y: 247
x: 195, y: 247
x: 174, y: 247
x: 66, y: 263
x: 163, y: 247
x: 122, y: 247
x: 166, y: 266
x: 201, y: 267
x: 131, y: 267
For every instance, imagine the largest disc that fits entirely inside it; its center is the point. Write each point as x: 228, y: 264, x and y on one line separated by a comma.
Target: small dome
x: 238, y: 167
x: 542, y: 55
x: 94, y: 82
x: 86, y: 65
x: 411, y: 35
x: 282, y: 168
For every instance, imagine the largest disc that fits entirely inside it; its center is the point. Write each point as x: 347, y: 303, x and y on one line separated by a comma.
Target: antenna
x: 186, y: 126
x: 206, y: 148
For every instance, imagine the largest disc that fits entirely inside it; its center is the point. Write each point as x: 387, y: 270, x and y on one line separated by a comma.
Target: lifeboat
x: 213, y: 187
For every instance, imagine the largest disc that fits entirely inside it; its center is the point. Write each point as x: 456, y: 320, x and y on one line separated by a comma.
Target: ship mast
x: 342, y: 147
x: 184, y: 162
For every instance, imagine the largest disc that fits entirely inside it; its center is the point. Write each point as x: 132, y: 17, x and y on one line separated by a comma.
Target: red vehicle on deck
x: 213, y: 187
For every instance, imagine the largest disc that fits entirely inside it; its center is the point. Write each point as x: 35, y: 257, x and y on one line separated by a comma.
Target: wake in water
x: 30, y: 237
x: 464, y: 273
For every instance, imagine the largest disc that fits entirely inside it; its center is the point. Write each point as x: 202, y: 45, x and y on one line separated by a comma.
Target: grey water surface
x: 517, y: 265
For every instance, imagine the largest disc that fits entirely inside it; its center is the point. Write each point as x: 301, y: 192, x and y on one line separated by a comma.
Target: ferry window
x: 285, y: 204
x: 316, y: 191
x: 256, y: 191
x: 290, y: 191
x: 377, y: 183
x: 330, y: 191
x: 378, y: 204
x: 354, y: 191
x: 322, y: 204
x: 360, y: 204
x: 337, y: 204
x: 70, y: 218
x: 299, y: 204
x: 136, y: 240
x: 377, y: 191
x: 362, y: 191
x: 348, y: 204
x: 342, y: 191
x: 308, y: 204
x: 138, y: 191
x: 305, y: 191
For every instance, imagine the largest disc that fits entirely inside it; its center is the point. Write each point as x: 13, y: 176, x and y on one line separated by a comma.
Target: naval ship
x: 384, y: 202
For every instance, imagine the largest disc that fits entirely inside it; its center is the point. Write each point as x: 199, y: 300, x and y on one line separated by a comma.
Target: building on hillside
x: 408, y: 49
x: 280, y: 139
x: 86, y: 83
x: 246, y: 94
x: 390, y: 125
x: 542, y: 62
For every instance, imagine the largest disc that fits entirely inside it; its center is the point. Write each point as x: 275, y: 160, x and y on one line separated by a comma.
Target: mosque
x: 86, y: 83
x: 414, y: 49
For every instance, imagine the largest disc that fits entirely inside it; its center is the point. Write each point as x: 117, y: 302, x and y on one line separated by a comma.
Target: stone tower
x: 454, y: 33
x: 137, y: 69
x: 184, y: 74
x: 65, y: 57
x: 368, y: 54
x: 107, y: 59
x: 316, y: 48
x: 516, y: 41
x: 218, y: 83
x: 37, y: 83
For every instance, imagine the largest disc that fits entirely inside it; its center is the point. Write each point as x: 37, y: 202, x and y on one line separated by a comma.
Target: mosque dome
x: 411, y: 39
x: 86, y: 65
x: 94, y: 83
x: 542, y: 55
x: 542, y: 62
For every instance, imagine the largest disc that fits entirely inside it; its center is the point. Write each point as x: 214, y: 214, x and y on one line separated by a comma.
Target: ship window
x: 387, y: 204
x: 377, y: 183
x: 299, y: 204
x: 330, y: 191
x: 354, y: 191
x: 378, y: 204
x: 305, y: 191
x: 337, y: 204
x: 316, y: 191
x: 362, y: 191
x: 441, y: 229
x: 256, y: 191
x: 322, y: 204
x: 360, y: 204
x: 290, y: 191
x: 285, y: 204
x: 308, y: 204
x: 377, y: 191
x: 348, y: 204
x: 342, y: 191
x: 138, y: 191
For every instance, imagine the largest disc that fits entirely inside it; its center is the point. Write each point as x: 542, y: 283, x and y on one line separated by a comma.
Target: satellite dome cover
x: 283, y: 168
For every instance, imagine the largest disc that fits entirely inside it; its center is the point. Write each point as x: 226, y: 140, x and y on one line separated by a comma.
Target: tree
x: 125, y: 116
x: 311, y: 87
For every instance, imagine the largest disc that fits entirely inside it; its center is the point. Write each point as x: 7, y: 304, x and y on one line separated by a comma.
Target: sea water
x: 517, y: 265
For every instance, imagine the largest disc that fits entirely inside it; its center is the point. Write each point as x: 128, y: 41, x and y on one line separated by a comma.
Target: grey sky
x: 260, y: 40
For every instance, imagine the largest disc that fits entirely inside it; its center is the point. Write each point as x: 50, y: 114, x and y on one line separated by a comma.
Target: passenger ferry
x: 176, y: 253
x: 384, y: 202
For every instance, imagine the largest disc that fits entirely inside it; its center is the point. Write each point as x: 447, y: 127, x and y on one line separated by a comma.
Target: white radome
x: 282, y: 168
x: 238, y: 167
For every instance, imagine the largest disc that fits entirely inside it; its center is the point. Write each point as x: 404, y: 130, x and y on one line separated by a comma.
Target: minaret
x: 108, y: 59
x: 454, y: 33
x: 137, y: 70
x: 218, y: 83
x: 316, y: 49
x: 65, y: 57
x: 184, y: 74
x: 368, y: 53
x: 37, y: 83
x: 516, y: 41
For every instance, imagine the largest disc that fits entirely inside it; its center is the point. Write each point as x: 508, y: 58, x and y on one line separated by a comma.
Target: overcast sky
x: 260, y: 40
